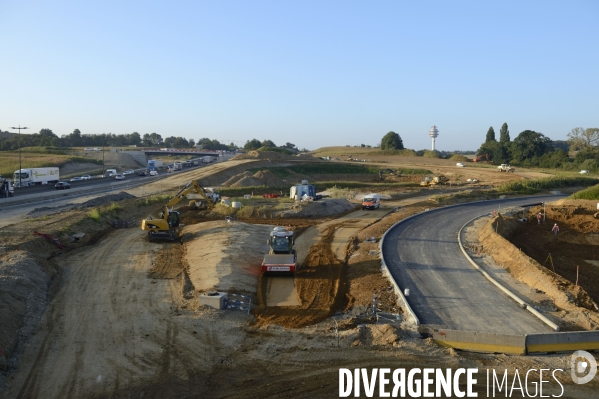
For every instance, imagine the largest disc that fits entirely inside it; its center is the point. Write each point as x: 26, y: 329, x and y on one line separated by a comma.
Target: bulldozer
x: 281, y: 257
x: 167, y: 226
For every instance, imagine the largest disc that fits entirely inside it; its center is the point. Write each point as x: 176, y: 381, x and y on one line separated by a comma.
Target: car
x: 76, y: 179
x: 62, y: 185
x: 460, y: 165
x: 87, y: 149
x: 144, y: 173
x: 119, y: 177
x: 584, y: 172
x: 153, y: 173
x: 129, y: 172
x: 86, y: 177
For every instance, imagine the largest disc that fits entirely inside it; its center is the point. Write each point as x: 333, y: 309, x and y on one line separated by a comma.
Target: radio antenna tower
x: 433, y: 133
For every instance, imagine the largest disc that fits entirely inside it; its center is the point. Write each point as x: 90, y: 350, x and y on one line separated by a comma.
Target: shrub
x: 95, y: 214
x: 591, y: 193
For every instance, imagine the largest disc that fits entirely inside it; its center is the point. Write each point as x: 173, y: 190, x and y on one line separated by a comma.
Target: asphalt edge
x: 520, y: 302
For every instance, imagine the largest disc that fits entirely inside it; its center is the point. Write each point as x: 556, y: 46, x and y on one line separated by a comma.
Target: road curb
x: 497, y: 284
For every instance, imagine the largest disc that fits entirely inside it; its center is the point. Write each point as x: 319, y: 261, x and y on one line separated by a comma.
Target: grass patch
x: 95, y: 215
x: 153, y: 199
x: 9, y: 160
x: 276, y: 149
x: 532, y: 186
x: 334, y: 168
x: 591, y: 193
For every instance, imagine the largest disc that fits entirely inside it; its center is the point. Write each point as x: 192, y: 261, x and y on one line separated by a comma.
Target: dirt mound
x: 99, y: 201
x: 260, y: 178
x: 247, y: 182
x: 24, y: 283
x: 271, y: 156
x: 236, y: 178
x: 322, y: 208
x: 525, y: 258
x: 269, y: 179
x: 225, y: 256
x: 321, y: 286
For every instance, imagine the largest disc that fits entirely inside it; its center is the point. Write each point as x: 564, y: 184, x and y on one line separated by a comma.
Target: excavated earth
x: 113, y: 315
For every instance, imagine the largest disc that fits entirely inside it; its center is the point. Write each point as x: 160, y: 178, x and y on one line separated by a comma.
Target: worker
x: 539, y: 218
x: 555, y: 229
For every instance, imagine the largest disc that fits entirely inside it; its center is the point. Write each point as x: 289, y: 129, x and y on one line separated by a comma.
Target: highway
x: 446, y: 291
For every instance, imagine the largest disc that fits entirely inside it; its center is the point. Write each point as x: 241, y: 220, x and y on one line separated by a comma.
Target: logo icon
x: 579, y: 366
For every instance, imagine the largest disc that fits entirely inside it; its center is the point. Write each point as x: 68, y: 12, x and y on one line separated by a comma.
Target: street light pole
x: 19, y: 129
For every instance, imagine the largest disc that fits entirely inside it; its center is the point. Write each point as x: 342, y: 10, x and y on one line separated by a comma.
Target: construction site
x: 171, y: 290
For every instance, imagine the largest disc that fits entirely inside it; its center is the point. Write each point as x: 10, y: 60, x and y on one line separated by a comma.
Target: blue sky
x: 313, y: 73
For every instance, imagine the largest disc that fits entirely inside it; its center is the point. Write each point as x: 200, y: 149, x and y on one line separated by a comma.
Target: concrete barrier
x: 481, y: 342
x: 563, y: 341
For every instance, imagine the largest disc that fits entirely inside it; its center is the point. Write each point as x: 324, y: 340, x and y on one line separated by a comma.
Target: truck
x: 154, y: 164
x: 505, y: 168
x: 208, y: 159
x: 7, y: 188
x: 36, y: 176
x: 110, y: 173
x: 178, y: 166
x: 281, y: 257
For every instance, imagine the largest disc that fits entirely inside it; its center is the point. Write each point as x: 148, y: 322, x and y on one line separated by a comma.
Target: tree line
x: 531, y: 148
x: 47, y: 138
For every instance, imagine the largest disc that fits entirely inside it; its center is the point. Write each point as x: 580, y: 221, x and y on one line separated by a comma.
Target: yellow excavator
x: 167, y: 226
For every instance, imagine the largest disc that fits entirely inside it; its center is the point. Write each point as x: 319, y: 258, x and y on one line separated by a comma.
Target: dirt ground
x: 117, y: 316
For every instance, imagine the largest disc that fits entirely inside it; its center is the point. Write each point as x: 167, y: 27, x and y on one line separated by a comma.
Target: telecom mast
x: 433, y: 133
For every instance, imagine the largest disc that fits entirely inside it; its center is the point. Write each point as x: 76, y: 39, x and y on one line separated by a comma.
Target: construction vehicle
x: 7, y: 188
x: 167, y: 226
x: 281, y: 257
x: 506, y: 168
x: 434, y: 180
x: 154, y: 164
x: 481, y: 158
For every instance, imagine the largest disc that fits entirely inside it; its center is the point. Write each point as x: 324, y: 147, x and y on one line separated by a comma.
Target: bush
x: 459, y: 158
x: 532, y: 186
x: 591, y: 193
x: 431, y: 154
x: 95, y: 215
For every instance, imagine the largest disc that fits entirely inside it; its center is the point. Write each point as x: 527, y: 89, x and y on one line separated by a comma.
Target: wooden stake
x: 577, y: 267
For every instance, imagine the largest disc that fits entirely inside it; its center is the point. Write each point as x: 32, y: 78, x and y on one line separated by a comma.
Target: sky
x: 312, y: 73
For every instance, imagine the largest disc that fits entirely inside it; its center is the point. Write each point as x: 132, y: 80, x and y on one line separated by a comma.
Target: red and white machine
x: 282, y: 257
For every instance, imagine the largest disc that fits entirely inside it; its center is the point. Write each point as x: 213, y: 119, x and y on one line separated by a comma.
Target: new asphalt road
x: 446, y: 291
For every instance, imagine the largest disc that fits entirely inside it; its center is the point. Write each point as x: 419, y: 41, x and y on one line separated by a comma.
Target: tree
x: 290, y: 145
x: 268, y: 143
x: 391, y: 141
x: 530, y: 144
x: 504, y: 134
x: 252, y: 145
x: 490, y: 135
x: 498, y: 152
x: 581, y: 139
x: 192, y: 143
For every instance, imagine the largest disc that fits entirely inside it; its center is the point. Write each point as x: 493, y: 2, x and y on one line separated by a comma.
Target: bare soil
x: 124, y: 320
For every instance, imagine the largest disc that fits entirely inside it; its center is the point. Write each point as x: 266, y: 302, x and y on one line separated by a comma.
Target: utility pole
x: 19, y: 129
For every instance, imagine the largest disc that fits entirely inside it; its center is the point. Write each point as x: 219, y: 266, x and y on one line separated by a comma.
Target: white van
x: 110, y: 173
x: 371, y: 201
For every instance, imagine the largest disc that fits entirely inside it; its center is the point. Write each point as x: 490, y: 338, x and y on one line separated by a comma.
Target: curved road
x: 446, y: 291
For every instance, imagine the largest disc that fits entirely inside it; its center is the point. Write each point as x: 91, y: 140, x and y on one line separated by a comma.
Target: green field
x: 335, y: 168
x: 9, y: 160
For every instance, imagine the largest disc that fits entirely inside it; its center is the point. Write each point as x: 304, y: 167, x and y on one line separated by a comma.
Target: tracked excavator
x: 281, y: 258
x: 167, y: 226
